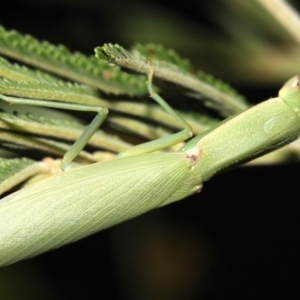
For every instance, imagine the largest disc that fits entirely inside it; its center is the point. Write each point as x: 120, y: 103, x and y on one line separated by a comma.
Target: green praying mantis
x: 87, y: 199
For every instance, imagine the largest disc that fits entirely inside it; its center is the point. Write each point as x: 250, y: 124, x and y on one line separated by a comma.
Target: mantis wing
x: 88, y: 199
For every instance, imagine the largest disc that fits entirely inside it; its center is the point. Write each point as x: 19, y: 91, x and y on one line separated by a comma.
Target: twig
x: 285, y: 14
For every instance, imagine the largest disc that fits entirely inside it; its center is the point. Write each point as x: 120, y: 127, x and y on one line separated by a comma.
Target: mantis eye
x: 290, y: 93
x: 296, y: 82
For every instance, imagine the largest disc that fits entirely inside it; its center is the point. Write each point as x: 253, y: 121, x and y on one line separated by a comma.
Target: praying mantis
x: 87, y: 199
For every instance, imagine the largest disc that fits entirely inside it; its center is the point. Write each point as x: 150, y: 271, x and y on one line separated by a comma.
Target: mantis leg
x: 86, y: 135
x: 98, y: 120
x: 164, y: 142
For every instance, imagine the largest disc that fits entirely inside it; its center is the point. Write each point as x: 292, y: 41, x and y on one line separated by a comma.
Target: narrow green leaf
x: 14, y: 171
x: 59, y: 129
x: 22, y: 141
x: 75, y: 66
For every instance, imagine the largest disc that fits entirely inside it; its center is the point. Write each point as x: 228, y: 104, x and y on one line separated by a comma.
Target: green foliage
x: 74, y: 66
x: 14, y: 171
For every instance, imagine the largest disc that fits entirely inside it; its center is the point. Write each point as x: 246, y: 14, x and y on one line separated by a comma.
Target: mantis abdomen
x: 86, y: 200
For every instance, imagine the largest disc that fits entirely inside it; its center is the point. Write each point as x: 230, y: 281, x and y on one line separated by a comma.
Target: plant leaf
x: 74, y: 66
x: 14, y: 171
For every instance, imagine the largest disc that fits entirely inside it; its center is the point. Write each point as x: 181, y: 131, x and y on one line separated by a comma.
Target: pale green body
x: 92, y: 198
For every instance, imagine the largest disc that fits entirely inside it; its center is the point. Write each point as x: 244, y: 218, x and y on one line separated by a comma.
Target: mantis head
x: 290, y: 93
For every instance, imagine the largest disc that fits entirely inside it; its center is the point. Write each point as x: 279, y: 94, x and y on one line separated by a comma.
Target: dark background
x: 237, y: 239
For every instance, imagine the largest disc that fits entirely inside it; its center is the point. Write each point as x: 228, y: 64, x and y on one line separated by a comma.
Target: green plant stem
x: 285, y: 14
